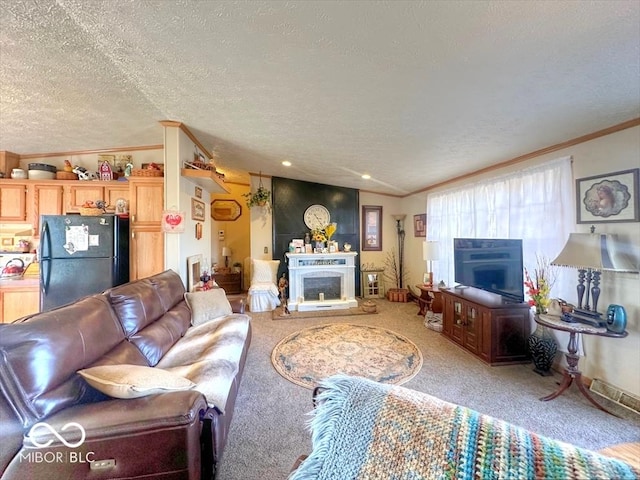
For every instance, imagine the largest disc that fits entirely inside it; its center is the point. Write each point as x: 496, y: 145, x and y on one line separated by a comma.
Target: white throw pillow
x: 264, y: 271
x: 133, y: 381
x: 207, y: 305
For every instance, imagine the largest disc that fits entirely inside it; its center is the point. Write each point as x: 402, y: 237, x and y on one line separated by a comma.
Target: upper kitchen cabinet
x: 8, y: 161
x: 13, y: 201
x: 44, y: 199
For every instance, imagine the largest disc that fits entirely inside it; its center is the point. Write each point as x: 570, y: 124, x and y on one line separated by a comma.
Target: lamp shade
x: 226, y: 252
x: 596, y: 251
x: 430, y: 251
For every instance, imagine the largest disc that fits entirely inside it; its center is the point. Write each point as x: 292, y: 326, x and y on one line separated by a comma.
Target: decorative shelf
x: 207, y: 179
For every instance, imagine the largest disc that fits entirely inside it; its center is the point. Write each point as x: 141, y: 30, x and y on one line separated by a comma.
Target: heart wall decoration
x: 173, y: 221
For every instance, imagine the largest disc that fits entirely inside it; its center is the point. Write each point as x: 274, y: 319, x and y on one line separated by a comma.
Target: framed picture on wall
x: 420, y: 225
x: 608, y: 198
x: 225, y: 210
x: 371, y: 228
x: 197, y: 210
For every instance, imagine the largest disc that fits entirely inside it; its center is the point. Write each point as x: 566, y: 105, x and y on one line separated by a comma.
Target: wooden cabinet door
x: 146, y: 201
x: 147, y: 252
x: 457, y: 329
x: 472, y: 329
x: 44, y: 199
x: 17, y: 303
x: 447, y: 317
x: 76, y: 195
x: 486, y: 341
x: 113, y: 193
x: 510, y: 331
x: 13, y: 201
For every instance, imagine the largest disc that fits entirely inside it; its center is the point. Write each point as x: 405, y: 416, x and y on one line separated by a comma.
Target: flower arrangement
x: 318, y: 235
x: 539, y: 287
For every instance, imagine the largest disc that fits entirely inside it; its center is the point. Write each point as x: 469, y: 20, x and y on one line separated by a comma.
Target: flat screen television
x: 490, y: 264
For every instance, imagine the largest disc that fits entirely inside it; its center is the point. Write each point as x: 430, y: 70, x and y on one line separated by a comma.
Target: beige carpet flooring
x: 269, y: 429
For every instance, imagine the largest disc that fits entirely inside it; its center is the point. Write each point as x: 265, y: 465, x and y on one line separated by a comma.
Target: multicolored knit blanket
x: 367, y: 430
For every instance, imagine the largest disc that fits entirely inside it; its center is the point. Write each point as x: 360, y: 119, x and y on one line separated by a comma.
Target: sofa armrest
x: 118, y: 417
x: 158, y: 436
x: 237, y: 305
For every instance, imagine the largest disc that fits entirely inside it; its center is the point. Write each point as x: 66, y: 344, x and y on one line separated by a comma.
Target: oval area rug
x: 307, y: 356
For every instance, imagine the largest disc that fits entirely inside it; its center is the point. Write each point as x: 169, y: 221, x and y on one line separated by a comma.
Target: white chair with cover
x: 263, y: 292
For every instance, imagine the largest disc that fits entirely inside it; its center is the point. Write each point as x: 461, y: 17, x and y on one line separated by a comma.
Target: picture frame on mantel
x: 608, y: 198
x: 372, y: 228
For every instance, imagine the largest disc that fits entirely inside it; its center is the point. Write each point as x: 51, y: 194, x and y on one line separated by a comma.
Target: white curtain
x: 535, y: 204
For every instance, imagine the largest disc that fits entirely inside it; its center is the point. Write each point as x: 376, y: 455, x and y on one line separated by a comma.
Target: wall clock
x: 316, y: 217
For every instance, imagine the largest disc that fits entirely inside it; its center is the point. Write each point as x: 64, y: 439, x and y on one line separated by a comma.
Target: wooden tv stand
x: 487, y: 326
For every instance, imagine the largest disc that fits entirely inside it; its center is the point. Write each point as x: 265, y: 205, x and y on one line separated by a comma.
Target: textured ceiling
x: 412, y: 93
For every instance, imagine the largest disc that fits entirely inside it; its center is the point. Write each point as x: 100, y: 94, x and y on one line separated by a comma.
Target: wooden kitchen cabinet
x: 13, y: 201
x: 113, y: 192
x: 18, y: 300
x: 44, y: 199
x: 80, y: 192
x: 77, y: 193
x: 485, y: 325
x: 146, y: 204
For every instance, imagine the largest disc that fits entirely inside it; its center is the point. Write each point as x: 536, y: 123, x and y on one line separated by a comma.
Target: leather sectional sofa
x: 137, y: 382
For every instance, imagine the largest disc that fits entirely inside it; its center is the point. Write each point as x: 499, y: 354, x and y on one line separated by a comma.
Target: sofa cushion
x: 169, y: 286
x: 209, y: 355
x: 40, y: 355
x: 264, y: 271
x: 137, y: 304
x: 156, y: 339
x: 207, y: 305
x: 133, y: 381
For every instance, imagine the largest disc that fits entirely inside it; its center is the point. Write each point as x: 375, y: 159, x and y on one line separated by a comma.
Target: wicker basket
x: 91, y: 211
x: 146, y: 172
x: 66, y: 176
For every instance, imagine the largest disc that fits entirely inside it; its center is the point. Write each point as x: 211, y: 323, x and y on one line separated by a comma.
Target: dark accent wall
x: 290, y: 200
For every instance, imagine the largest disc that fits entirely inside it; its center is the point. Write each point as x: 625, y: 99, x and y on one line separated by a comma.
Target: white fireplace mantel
x: 339, y: 266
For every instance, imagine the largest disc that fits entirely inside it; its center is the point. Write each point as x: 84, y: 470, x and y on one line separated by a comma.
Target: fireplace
x: 320, y: 281
x: 327, y: 287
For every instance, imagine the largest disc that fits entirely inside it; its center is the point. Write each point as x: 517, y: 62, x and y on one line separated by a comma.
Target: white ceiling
x: 412, y: 93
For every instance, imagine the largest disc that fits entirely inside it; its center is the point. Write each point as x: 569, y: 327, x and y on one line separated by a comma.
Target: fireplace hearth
x: 319, y: 281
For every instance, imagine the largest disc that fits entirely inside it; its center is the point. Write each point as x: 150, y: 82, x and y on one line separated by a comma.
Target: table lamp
x: 430, y: 253
x: 226, y: 253
x: 591, y: 253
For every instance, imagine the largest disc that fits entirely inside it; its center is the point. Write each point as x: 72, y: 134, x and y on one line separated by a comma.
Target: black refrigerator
x: 81, y: 255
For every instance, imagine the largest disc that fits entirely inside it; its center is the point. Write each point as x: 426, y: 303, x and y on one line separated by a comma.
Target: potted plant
x: 237, y: 267
x: 393, y: 273
x: 260, y: 198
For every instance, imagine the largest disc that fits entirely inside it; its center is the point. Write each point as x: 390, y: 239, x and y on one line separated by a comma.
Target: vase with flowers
x: 542, y: 345
x: 318, y: 237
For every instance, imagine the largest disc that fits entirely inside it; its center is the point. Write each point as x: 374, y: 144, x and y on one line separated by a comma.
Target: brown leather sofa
x: 87, y: 434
